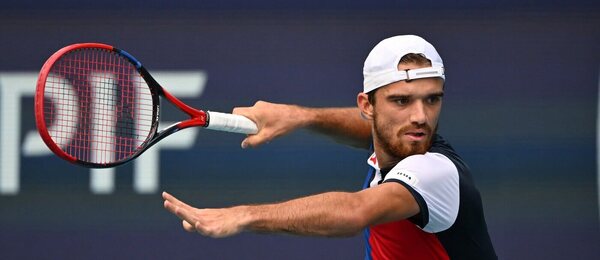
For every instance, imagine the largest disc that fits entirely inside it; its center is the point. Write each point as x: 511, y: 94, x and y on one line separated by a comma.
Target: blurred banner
x: 521, y: 107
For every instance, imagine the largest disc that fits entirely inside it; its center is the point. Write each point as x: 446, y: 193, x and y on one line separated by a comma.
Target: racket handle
x: 230, y: 123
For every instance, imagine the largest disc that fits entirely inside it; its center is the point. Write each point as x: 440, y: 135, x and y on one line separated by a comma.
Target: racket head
x: 93, y: 107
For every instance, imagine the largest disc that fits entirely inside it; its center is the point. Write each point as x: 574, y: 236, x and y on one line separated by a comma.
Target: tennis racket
x: 97, y: 106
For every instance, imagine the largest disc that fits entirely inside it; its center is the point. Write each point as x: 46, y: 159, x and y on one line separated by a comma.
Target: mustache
x: 412, y: 128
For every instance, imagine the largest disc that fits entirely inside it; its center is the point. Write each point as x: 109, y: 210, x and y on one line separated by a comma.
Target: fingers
x: 273, y: 120
x: 244, y: 111
x: 183, y: 211
x: 256, y: 140
x: 171, y: 199
x: 187, y: 226
x: 250, y: 141
x: 208, y: 222
x: 180, y: 212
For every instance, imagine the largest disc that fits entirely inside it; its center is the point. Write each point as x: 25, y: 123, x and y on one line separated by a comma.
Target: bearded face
x: 403, y: 141
x: 404, y: 116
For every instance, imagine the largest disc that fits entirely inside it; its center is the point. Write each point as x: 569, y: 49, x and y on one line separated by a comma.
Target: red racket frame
x: 197, y: 117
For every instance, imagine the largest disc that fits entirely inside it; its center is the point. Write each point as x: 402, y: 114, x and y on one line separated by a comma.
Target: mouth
x: 416, y: 135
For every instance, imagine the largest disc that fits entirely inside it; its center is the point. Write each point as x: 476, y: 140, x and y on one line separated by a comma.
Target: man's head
x: 403, y: 89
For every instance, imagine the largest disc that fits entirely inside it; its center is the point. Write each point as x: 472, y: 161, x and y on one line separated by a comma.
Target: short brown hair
x: 411, y: 58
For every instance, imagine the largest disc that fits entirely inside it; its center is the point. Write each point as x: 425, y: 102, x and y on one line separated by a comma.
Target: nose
x: 418, y: 114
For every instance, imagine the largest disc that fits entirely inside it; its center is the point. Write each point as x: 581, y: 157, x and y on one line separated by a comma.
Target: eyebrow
x: 437, y: 94
x: 397, y: 96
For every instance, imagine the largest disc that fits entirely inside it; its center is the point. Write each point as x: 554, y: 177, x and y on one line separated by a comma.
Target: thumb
x: 255, y: 140
x: 188, y: 227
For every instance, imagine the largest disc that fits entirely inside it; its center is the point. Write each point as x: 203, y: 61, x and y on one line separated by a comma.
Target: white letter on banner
x: 13, y: 86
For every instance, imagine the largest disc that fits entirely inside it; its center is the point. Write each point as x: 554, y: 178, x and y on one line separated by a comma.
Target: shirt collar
x: 372, y: 161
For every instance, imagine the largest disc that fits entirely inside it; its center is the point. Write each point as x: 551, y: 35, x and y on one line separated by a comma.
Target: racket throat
x: 198, y: 120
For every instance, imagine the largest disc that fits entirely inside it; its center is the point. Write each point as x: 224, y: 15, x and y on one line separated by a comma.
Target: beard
x: 391, y: 141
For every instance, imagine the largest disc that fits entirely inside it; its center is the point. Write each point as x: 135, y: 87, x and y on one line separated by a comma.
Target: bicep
x: 387, y: 202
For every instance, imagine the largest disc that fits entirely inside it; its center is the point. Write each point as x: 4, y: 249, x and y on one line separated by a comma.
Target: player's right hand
x: 273, y: 120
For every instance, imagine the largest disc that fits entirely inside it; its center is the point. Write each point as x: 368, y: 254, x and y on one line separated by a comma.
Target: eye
x: 402, y: 100
x: 434, y: 99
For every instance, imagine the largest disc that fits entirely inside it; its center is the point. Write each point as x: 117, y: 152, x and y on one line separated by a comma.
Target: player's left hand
x: 215, y: 223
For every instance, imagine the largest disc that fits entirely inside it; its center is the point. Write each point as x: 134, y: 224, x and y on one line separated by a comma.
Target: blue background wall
x: 521, y: 107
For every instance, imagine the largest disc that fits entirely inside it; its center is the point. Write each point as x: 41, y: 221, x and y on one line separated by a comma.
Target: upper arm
x: 387, y: 202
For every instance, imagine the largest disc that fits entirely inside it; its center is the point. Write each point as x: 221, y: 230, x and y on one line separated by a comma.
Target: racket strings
x: 98, y: 107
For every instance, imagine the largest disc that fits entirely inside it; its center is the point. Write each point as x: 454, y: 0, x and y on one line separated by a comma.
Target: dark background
x: 521, y: 107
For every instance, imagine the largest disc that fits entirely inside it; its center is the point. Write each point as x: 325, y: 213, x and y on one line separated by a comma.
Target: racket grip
x: 230, y: 123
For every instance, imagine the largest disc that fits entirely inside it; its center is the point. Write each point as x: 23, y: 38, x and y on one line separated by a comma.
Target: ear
x: 365, y: 107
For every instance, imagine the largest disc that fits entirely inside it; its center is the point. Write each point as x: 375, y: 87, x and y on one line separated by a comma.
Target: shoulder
x: 434, y: 181
x: 424, y: 168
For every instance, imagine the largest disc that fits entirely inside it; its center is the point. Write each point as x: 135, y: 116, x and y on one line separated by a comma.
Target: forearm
x: 326, y: 214
x: 344, y: 125
x: 329, y: 214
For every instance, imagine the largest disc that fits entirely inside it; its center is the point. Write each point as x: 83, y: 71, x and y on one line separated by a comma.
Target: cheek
x: 393, y: 117
x: 434, y: 117
x: 391, y: 124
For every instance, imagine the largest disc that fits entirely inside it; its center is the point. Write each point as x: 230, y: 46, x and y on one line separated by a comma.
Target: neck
x: 384, y: 159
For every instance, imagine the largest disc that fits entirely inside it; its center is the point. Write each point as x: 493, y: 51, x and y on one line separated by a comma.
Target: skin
x: 344, y: 125
x: 401, y: 123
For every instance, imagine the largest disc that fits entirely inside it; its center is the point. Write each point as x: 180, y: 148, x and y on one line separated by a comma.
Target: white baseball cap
x: 381, y: 66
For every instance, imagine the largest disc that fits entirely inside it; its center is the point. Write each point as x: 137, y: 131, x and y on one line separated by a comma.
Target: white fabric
x: 385, y: 56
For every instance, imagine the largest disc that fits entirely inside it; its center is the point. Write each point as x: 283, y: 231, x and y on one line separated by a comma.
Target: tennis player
x: 419, y: 200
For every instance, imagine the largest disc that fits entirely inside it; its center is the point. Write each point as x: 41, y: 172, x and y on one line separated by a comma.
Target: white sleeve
x: 435, y: 178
